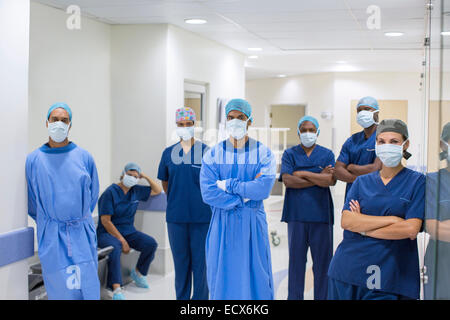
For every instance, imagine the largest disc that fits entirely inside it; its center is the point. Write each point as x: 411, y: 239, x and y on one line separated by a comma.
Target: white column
x: 14, y: 41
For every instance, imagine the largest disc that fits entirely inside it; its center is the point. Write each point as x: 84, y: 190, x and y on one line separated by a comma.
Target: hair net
x: 395, y: 125
x: 369, y: 102
x: 60, y: 105
x: 239, y: 105
x: 132, y: 166
x: 308, y: 118
x: 184, y: 113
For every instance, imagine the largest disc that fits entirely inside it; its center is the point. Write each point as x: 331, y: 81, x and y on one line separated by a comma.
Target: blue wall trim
x: 16, y: 245
x: 154, y: 203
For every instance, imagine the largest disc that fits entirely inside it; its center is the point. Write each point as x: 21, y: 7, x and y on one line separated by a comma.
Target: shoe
x: 118, y: 296
x: 141, y: 281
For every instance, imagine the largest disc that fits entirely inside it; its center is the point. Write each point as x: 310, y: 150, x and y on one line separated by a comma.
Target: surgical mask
x: 58, y: 131
x: 308, y: 139
x: 390, y: 154
x: 237, y: 128
x: 129, y: 181
x: 365, y: 118
x: 185, y: 133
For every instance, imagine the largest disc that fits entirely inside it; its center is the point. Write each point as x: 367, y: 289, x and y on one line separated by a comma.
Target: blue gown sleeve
x: 416, y: 208
x: 330, y: 159
x: 287, y: 165
x: 105, y: 204
x: 163, y: 172
x: 143, y: 192
x: 95, y: 187
x: 258, y: 189
x: 211, y: 193
x: 344, y: 156
x: 32, y: 207
x: 352, y: 194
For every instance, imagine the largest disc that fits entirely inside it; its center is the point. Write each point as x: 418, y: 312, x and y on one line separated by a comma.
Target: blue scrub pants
x: 139, y: 241
x: 318, y: 237
x: 338, y: 290
x: 187, y: 241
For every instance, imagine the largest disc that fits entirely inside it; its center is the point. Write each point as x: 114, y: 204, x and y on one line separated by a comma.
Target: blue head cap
x: 239, y: 105
x: 308, y: 118
x: 60, y: 105
x: 132, y: 166
x: 369, y: 102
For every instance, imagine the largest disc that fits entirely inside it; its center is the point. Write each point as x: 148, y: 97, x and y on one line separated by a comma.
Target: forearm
x: 342, y: 174
x: 359, y: 222
x: 156, y: 188
x: 358, y: 170
x: 320, y: 179
x: 165, y: 185
x: 406, y: 229
x: 438, y: 230
x: 294, y: 182
x: 112, y: 230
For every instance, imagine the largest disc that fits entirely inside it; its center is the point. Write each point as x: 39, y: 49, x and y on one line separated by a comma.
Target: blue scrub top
x: 358, y: 150
x: 312, y: 204
x: 398, y: 260
x: 121, y: 207
x: 182, y: 171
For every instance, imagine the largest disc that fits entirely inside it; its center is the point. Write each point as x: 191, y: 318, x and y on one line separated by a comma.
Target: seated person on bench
x: 116, y: 208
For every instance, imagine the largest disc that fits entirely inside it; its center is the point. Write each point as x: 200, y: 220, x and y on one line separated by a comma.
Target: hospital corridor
x: 224, y: 150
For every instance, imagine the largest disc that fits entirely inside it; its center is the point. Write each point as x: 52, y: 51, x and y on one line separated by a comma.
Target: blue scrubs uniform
x: 62, y: 193
x: 358, y: 257
x: 437, y: 255
x: 122, y: 209
x: 309, y: 213
x: 187, y: 218
x: 358, y: 150
x: 237, y: 245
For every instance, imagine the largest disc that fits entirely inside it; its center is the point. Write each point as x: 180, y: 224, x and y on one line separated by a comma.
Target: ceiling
x: 296, y: 36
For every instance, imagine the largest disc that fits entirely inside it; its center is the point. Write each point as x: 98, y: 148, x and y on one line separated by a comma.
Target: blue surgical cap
x: 239, y: 105
x: 60, y: 105
x: 369, y: 102
x: 308, y: 118
x: 132, y: 166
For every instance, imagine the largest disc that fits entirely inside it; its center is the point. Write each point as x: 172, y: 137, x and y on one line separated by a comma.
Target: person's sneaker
x: 118, y: 296
x: 141, y: 281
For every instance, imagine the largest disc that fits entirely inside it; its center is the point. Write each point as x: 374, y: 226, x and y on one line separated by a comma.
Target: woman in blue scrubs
x: 187, y: 215
x: 357, y: 155
x: 307, y: 171
x: 382, y: 215
x: 437, y: 225
x: 116, y: 208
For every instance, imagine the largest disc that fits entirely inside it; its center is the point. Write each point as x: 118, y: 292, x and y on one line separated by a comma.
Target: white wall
x: 138, y: 96
x: 14, y: 38
x: 191, y: 57
x: 71, y: 66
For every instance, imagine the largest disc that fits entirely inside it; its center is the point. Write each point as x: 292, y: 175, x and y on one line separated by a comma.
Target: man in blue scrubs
x: 357, y: 155
x: 62, y: 193
x: 187, y: 215
x: 237, y: 175
x: 117, y: 207
x: 383, y: 213
x: 307, y: 172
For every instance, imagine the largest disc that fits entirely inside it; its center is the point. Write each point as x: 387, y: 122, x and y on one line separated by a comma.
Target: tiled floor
x: 162, y: 287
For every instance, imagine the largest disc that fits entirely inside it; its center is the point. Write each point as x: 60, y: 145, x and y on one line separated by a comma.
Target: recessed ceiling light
x: 195, y: 21
x: 393, y: 34
x: 253, y: 57
x: 445, y: 33
x: 254, y: 49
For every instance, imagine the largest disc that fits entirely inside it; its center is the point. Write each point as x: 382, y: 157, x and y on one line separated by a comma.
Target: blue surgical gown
x: 358, y: 150
x: 237, y: 246
x: 398, y: 260
x: 63, y: 189
x: 320, y: 203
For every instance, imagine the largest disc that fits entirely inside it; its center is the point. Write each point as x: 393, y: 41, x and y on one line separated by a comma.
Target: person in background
x: 187, y: 215
x: 437, y: 225
x: 62, y: 193
x: 307, y: 171
x: 236, y: 176
x: 357, y: 155
x: 383, y: 213
x: 117, y: 207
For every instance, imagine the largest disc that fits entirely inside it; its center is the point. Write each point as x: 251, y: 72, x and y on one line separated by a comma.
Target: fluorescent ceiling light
x: 281, y: 76
x: 254, y: 49
x: 253, y: 57
x: 445, y: 33
x: 393, y: 34
x: 195, y: 21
